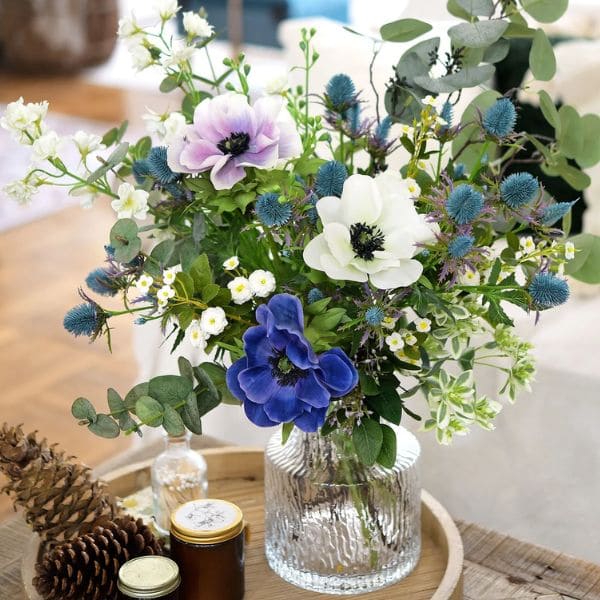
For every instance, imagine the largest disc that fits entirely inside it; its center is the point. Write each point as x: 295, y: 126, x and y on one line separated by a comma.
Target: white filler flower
x: 213, y: 320
x: 370, y: 233
x: 197, y: 337
x: 170, y: 274
x: 394, y: 342
x: 131, y: 202
x: 231, y: 263
x: 262, y: 283
x: 20, y: 191
x: 197, y: 26
x: 166, y: 9
x: 46, y: 146
x: 87, y: 142
x: 240, y: 290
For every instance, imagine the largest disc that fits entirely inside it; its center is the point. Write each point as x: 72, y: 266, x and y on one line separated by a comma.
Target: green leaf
x: 168, y: 84
x: 586, y: 264
x: 477, y: 8
x: 545, y: 11
x: 497, y: 52
x: 170, y: 389
x: 549, y: 111
x: 163, y: 252
x: 210, y: 292
x: 318, y: 307
x: 387, y: 454
x: 217, y: 375
x: 104, y: 426
x: 454, y: 8
x: 404, y: 30
x: 387, y: 408
x: 184, y: 285
x: 573, y: 176
x: 496, y: 314
x: 465, y: 78
x: 480, y: 34
x: 125, y: 241
x: 185, y: 368
x: 495, y: 272
x: 541, y: 57
x: 201, y: 272
x: 368, y: 386
x: 142, y: 148
x: 191, y: 415
x: 519, y: 30
x: 590, y: 151
x: 286, y: 431
x: 134, y: 394
x: 115, y: 403
x: 329, y: 320
x: 368, y: 440
x: 83, y: 410
x: 172, y: 422
x: 149, y: 411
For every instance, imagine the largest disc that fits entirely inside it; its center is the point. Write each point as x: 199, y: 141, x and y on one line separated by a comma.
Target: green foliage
x: 125, y: 241
x: 586, y: 264
x: 541, y: 57
x: 404, y: 30
x: 545, y: 11
x: 367, y: 438
x: 477, y: 8
x: 479, y: 34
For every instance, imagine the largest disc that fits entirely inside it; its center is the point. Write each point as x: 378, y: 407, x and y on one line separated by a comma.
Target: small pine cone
x: 17, y: 450
x: 87, y: 568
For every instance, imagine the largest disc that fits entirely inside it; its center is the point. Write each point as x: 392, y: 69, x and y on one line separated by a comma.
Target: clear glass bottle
x: 333, y: 525
x: 179, y: 475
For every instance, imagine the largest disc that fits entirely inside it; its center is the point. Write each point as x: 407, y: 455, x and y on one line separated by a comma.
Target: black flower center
x: 235, y: 144
x: 286, y: 372
x: 365, y: 240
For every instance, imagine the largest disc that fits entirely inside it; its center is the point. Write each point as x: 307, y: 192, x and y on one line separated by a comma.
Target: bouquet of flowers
x: 326, y: 288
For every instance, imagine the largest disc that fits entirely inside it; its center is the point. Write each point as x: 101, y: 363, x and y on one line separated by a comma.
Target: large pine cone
x: 59, y: 495
x: 87, y: 568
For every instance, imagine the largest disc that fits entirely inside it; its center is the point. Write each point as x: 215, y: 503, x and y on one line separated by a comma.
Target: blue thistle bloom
x: 383, y: 130
x: 312, y: 213
x: 141, y: 170
x: 374, y: 316
x: 459, y: 170
x: 464, y: 204
x: 547, y: 290
x: 110, y: 251
x: 519, y: 189
x: 315, y: 295
x: 140, y: 321
x: 100, y: 281
x: 554, y: 212
x: 447, y: 114
x: 159, y: 167
x: 460, y: 246
x: 271, y: 212
x: 353, y: 118
x: 341, y: 92
x: 500, y: 119
x: 330, y: 179
x: 82, y: 319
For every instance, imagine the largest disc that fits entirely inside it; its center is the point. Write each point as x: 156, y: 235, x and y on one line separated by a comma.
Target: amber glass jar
x: 149, y: 577
x: 207, y: 542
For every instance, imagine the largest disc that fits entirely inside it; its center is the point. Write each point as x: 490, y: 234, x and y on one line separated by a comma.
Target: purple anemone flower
x: 281, y: 379
x: 228, y: 134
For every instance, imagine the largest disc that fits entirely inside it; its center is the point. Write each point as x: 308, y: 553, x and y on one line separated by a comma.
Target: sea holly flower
x: 231, y: 263
x: 370, y: 233
x: 548, y: 291
x: 554, y: 212
x: 100, y: 281
x: 500, y: 119
x: 340, y: 93
x: 228, y: 135
x: 131, y: 203
x: 374, y: 316
x: 240, y: 290
x: 330, y: 179
x: 213, y: 320
x: 262, y: 283
x: 314, y: 295
x: 271, y: 211
x: 464, y: 204
x: 159, y: 167
x: 281, y: 379
x: 460, y: 246
x: 519, y: 189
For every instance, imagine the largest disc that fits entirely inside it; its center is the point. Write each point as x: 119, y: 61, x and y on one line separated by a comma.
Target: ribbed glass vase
x: 333, y: 525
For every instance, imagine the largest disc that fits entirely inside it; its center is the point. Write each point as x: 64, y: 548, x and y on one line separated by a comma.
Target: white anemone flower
x: 370, y: 233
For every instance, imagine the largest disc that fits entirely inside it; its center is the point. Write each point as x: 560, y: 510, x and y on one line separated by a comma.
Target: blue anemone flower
x: 315, y: 295
x: 554, y: 212
x: 82, y: 319
x: 447, y: 114
x: 271, y: 212
x: 519, y: 189
x: 500, y: 119
x: 330, y: 179
x: 464, y: 204
x: 281, y: 379
x: 460, y: 246
x: 100, y: 281
x: 374, y: 316
x: 383, y: 130
x: 341, y: 92
x: 159, y: 166
x: 548, y: 290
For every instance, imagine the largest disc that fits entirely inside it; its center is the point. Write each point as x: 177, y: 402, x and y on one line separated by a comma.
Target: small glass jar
x: 179, y: 475
x: 207, y: 542
x: 146, y: 577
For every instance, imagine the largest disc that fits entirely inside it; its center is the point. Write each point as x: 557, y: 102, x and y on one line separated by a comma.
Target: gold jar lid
x: 148, y: 577
x: 207, y: 521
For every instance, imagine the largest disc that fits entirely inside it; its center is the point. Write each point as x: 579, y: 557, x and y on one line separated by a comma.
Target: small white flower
x: 389, y: 322
x: 166, y: 9
x: 240, y: 290
x: 423, y: 325
x: 197, y: 337
x: 231, y: 263
x: 407, y: 130
x: 140, y: 57
x: 262, y: 283
x: 174, y: 125
x: 46, y: 146
x: 87, y: 195
x: 144, y: 283
x: 197, y: 26
x: 422, y: 164
x: 180, y: 53
x: 165, y: 293
x: 162, y: 303
x: 131, y: 203
x: 213, y: 320
x: 20, y: 191
x: 429, y: 101
x: 128, y: 27
x: 87, y: 142
x: 412, y: 187
x: 401, y: 355
x: 277, y: 85
x: 469, y: 277
x: 527, y: 244
x: 24, y: 121
x: 561, y: 270
x: 394, y: 342
x: 170, y: 274
x: 569, y: 250
x: 409, y: 339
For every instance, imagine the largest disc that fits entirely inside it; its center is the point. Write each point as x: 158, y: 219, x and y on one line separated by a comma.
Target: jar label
x: 206, y: 515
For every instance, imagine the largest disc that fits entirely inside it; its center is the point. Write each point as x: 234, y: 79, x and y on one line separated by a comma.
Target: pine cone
x: 59, y: 495
x: 87, y: 568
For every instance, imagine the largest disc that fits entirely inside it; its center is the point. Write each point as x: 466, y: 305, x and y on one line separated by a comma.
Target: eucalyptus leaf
x: 480, y: 34
x: 185, y: 368
x: 571, y: 128
x: 217, y: 375
x: 575, y: 177
x: 545, y: 11
x: 497, y: 52
x: 455, y: 9
x: 168, y: 84
x: 466, y: 78
x: 104, y: 426
x: 83, y: 410
x: 125, y: 241
x: 404, y: 30
x: 191, y: 415
x: 172, y: 422
x: 149, y: 411
x: 170, y: 389
x: 549, y: 111
x: 586, y: 264
x: 590, y: 152
x: 163, y: 252
x: 477, y: 8
x: 541, y: 57
x: 134, y: 394
x: 519, y: 30
x: 368, y: 440
x: 387, y: 454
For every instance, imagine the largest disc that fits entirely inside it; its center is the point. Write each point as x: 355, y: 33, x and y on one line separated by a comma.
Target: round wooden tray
x: 236, y: 474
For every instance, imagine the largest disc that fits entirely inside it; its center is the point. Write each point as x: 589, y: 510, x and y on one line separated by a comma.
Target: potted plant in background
x: 327, y: 289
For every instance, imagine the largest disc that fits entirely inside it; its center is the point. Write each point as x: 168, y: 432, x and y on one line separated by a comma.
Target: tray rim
x: 450, y: 587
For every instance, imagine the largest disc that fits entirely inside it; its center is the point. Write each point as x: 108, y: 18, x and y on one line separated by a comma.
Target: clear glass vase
x: 333, y: 525
x: 179, y: 475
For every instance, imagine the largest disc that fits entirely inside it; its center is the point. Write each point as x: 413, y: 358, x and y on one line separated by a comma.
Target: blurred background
x: 535, y: 477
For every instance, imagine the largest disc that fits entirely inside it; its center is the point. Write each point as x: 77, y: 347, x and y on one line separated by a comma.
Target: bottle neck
x: 177, y: 442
